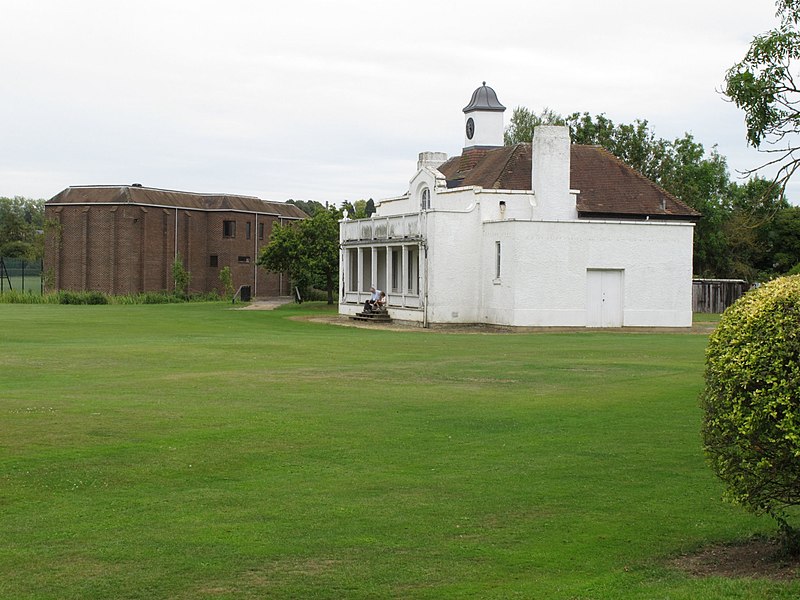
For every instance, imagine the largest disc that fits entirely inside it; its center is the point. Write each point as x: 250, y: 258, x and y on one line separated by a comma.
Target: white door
x: 604, y: 297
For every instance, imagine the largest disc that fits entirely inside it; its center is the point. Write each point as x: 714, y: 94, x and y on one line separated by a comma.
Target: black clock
x: 470, y: 128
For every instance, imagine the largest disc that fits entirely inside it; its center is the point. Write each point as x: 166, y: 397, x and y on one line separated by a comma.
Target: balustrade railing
x: 382, y: 228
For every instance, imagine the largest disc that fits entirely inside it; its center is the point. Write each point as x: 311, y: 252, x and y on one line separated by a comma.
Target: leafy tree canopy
x: 21, y: 223
x: 310, y: 207
x: 308, y: 250
x: 762, y: 84
x: 357, y: 210
x: 523, y: 121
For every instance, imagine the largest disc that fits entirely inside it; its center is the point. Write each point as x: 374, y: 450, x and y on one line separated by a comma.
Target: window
x: 245, y: 260
x: 247, y: 228
x: 425, y: 204
x: 352, y: 254
x: 213, y: 260
x: 366, y: 268
x: 397, y: 269
x: 413, y: 268
x: 229, y: 229
x: 497, y: 260
x: 261, y: 231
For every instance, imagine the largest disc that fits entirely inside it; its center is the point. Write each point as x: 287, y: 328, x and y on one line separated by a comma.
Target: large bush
x: 751, y: 427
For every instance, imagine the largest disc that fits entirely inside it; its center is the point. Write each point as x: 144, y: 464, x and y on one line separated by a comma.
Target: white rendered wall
x: 454, y: 267
x: 401, y: 205
x: 544, y: 264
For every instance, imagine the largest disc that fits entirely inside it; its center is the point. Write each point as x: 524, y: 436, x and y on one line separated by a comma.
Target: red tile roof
x: 608, y: 188
x: 132, y: 194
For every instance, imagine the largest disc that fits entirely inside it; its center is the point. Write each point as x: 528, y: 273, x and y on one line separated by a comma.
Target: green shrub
x: 751, y: 426
x: 20, y: 297
x: 147, y: 298
x: 181, y: 276
x: 156, y: 298
x: 211, y: 296
x: 226, y: 280
x: 315, y: 295
x: 90, y: 297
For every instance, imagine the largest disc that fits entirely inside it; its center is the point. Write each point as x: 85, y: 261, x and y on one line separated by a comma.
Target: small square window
x: 213, y: 260
x: 245, y: 260
x: 229, y: 229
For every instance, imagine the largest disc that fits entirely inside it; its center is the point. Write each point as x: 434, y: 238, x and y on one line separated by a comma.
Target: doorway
x: 604, y: 298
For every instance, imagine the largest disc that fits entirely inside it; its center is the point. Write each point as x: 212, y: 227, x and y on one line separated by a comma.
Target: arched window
x: 425, y: 202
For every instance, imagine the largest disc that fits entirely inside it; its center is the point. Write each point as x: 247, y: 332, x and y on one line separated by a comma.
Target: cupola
x: 483, y: 119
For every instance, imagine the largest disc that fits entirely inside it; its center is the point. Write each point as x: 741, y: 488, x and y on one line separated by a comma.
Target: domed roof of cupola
x: 484, y: 98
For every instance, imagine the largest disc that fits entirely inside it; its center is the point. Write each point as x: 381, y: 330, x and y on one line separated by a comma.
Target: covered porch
x: 385, y: 252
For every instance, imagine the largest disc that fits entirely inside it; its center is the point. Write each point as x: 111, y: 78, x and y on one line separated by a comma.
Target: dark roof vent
x: 484, y: 98
x: 136, y: 185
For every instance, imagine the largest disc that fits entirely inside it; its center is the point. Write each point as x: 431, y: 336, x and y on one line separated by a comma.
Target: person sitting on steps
x: 372, y: 303
x: 382, y: 302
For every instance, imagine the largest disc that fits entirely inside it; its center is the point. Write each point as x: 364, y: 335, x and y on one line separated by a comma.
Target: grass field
x: 193, y: 451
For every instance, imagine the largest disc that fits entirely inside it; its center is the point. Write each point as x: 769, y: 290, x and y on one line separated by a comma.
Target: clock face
x: 470, y: 128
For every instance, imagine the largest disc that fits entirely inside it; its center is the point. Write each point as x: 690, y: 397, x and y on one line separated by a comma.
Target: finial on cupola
x: 484, y: 119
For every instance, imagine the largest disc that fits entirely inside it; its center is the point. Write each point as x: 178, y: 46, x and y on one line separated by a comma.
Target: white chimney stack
x: 550, y: 174
x: 432, y: 160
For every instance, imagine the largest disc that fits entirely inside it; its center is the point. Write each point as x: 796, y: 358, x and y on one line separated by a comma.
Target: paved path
x: 266, y: 303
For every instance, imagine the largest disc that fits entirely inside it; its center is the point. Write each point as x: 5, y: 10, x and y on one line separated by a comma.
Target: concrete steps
x: 381, y: 316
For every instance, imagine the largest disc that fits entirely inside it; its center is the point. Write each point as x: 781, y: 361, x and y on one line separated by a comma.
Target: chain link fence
x: 20, y: 275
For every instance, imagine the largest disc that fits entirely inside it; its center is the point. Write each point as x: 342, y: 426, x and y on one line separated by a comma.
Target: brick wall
x: 126, y: 249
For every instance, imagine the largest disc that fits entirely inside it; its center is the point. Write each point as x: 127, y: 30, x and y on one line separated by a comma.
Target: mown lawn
x: 193, y: 451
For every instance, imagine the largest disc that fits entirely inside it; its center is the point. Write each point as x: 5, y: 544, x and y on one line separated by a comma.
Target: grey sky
x: 333, y: 100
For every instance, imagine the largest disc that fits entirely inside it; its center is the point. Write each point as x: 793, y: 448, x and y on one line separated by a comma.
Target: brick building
x: 124, y: 239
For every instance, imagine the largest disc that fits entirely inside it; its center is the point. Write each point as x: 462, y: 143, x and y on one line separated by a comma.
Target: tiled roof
x: 608, y: 188
x: 132, y: 194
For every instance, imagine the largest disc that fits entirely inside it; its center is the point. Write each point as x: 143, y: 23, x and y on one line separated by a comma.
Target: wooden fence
x: 715, y: 295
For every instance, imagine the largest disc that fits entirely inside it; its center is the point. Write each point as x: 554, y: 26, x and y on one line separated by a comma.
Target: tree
x: 226, y: 280
x: 21, y: 224
x: 523, y: 121
x: 751, y: 402
x: 633, y: 143
x: 181, y: 277
x: 310, y: 207
x: 308, y: 250
x: 755, y: 211
x: 358, y: 210
x: 784, y: 238
x: 762, y: 84
x: 369, y: 208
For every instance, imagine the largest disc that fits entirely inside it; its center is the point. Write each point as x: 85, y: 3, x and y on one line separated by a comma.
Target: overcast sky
x: 333, y: 100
